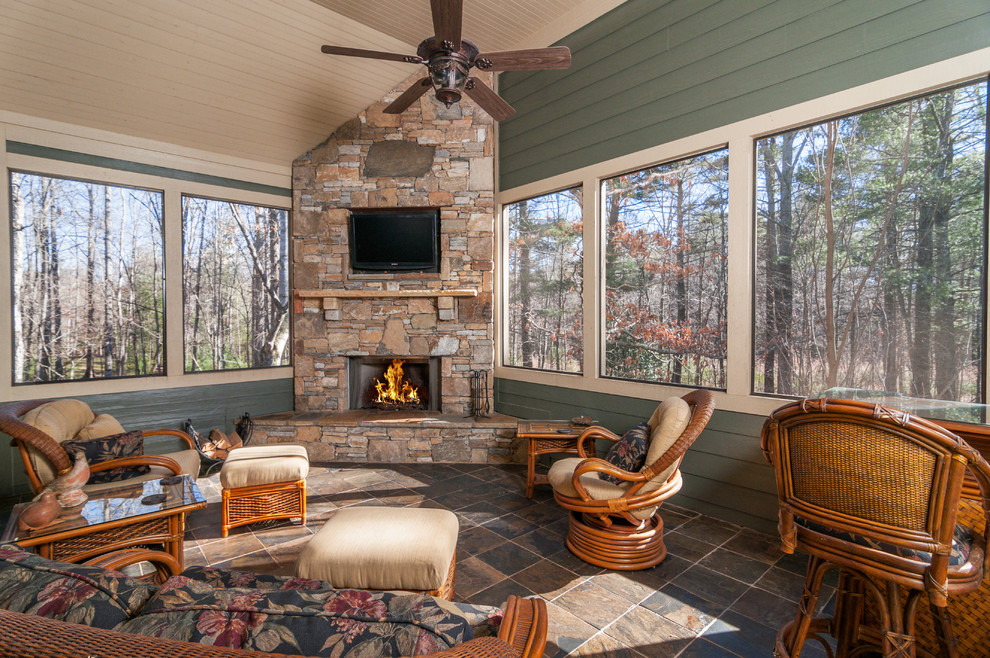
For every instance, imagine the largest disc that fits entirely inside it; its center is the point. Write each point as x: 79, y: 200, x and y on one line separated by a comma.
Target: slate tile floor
x: 722, y: 591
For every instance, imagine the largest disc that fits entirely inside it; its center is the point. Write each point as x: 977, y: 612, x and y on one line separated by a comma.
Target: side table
x: 115, y: 518
x: 545, y: 437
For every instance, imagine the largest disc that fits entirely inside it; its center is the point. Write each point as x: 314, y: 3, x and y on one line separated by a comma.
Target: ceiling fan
x: 449, y: 58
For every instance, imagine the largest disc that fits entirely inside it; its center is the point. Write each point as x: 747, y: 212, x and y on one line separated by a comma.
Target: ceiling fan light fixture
x: 448, y: 75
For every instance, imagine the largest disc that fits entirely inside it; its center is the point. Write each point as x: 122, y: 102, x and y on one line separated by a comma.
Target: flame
x: 394, y: 390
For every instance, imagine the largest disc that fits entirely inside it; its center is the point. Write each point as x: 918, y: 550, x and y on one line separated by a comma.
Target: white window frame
x: 741, y: 138
x: 97, y: 143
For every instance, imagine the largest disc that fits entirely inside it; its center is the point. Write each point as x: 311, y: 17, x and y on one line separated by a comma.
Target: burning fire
x: 394, y: 391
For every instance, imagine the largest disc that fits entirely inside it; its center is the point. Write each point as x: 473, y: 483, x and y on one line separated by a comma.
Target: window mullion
x: 739, y: 343
x: 173, y: 282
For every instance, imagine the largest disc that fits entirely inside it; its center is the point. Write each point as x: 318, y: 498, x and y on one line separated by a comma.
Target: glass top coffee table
x: 151, y: 512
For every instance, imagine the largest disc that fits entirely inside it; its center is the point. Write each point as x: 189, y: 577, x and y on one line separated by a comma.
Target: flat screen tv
x: 395, y: 240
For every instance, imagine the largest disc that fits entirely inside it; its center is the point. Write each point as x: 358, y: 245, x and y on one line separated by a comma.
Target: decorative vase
x: 40, y: 513
x: 68, y: 485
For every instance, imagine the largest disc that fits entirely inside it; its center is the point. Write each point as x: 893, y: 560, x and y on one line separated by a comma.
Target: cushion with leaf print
x: 629, y: 452
x: 105, y: 448
x: 75, y: 593
x: 299, y: 619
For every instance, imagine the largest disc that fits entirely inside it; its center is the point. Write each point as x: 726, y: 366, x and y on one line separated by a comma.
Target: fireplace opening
x: 395, y: 383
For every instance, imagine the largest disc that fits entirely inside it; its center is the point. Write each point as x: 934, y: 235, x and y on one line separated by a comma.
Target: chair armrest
x: 177, y: 433
x: 165, y: 565
x: 591, y: 434
x: 524, y: 626
x: 594, y: 465
x: 138, y: 460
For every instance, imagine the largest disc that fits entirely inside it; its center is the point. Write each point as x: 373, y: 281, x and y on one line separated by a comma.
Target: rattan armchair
x: 35, y: 445
x: 874, y: 493
x: 617, y: 526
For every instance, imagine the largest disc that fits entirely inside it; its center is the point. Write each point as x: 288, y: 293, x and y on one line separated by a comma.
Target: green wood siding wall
x: 724, y: 472
x: 650, y: 72
x: 207, y: 406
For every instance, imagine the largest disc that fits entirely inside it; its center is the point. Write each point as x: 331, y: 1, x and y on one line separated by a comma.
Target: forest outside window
x: 665, y: 272
x: 544, y: 282
x: 871, y: 233
x: 88, y: 287
x: 235, y: 280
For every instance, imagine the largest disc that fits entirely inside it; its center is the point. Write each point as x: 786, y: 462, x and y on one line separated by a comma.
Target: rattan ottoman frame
x: 263, y: 502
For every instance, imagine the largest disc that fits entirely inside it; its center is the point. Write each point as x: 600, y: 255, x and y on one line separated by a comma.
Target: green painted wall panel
x: 645, y: 74
x: 208, y: 407
x: 725, y: 474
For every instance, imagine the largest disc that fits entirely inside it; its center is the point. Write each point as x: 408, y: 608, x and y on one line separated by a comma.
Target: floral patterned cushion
x: 128, y: 444
x: 484, y: 620
x: 629, y: 452
x: 68, y: 592
x: 296, y: 617
x: 962, y: 542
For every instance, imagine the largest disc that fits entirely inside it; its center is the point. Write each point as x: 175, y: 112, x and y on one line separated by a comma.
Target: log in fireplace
x: 394, y: 383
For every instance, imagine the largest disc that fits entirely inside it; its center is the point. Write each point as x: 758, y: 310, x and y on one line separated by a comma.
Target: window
x: 235, y: 279
x: 88, y: 286
x: 665, y: 272
x: 870, y: 251
x: 544, y: 282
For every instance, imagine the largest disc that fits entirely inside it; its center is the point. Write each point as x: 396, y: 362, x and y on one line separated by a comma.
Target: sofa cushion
x: 68, y: 592
x: 667, y: 423
x: 102, y: 425
x: 106, y: 448
x: 297, y: 618
x: 61, y: 420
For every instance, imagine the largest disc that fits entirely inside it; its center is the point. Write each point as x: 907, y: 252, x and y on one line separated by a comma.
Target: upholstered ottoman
x: 262, y: 483
x: 384, y: 548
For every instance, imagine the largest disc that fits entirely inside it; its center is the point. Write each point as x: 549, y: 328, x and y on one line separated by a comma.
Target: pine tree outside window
x: 870, y: 264
x: 235, y: 281
x: 544, y: 282
x: 88, y: 281
x: 665, y: 272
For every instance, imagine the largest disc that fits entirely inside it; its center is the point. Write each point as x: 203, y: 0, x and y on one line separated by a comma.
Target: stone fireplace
x: 428, y: 156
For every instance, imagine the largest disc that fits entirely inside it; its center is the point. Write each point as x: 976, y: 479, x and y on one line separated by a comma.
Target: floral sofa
x: 52, y: 608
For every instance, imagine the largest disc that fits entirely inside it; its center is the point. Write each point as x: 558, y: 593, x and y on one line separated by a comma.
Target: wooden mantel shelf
x: 446, y: 308
x: 432, y: 292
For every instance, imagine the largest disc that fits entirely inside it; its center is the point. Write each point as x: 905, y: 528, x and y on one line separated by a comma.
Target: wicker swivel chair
x: 873, y: 492
x: 617, y: 525
x: 45, y: 458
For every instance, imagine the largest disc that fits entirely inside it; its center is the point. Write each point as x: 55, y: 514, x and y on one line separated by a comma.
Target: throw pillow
x: 68, y: 592
x: 629, y: 452
x: 128, y: 444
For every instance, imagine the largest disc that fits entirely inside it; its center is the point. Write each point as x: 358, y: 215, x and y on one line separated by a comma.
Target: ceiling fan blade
x: 488, y: 100
x: 371, y: 54
x: 536, y: 59
x: 447, y: 21
x: 408, y: 96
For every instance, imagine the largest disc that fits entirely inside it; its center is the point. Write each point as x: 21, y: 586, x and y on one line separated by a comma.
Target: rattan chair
x: 874, y: 493
x: 35, y: 445
x: 624, y: 531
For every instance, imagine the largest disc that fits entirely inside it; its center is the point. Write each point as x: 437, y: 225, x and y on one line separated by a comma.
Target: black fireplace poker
x: 479, y: 402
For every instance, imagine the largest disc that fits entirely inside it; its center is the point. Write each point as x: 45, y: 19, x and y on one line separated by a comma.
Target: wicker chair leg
x: 791, y: 638
x: 943, y: 631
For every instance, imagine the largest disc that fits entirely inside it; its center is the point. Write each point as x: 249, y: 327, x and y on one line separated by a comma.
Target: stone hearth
x: 428, y: 156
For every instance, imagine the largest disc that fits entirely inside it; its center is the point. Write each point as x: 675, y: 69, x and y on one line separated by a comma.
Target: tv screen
x: 400, y: 239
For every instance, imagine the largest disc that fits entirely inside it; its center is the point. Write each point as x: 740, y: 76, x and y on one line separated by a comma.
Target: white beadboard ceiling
x: 241, y: 78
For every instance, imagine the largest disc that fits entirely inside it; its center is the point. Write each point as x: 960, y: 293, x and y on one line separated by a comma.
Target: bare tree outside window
x: 88, y: 281
x: 870, y: 251
x: 545, y: 282
x: 235, y: 281
x: 665, y: 272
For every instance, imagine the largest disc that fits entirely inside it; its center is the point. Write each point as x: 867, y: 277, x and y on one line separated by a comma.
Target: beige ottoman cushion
x: 251, y: 466
x: 407, y: 548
